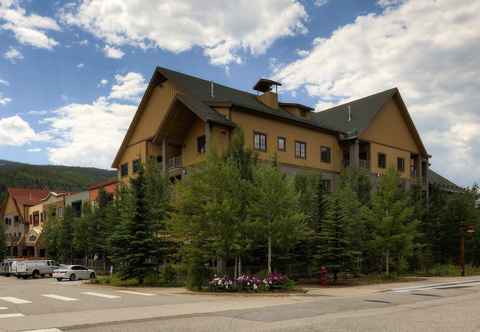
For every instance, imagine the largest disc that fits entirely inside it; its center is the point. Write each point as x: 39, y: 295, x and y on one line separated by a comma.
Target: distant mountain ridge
x: 64, y: 178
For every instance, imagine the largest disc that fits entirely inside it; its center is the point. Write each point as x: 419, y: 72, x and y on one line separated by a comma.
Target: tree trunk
x: 387, y: 262
x: 269, y: 258
x: 235, y: 269
x: 239, y: 265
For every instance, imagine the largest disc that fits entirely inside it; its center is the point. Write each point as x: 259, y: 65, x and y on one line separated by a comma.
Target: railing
x: 364, y: 163
x: 175, y: 162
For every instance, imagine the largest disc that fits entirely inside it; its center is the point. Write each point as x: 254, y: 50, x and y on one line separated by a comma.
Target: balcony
x: 174, y: 162
x: 362, y: 163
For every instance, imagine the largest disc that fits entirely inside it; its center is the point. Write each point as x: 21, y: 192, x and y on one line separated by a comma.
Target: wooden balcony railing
x: 175, y: 162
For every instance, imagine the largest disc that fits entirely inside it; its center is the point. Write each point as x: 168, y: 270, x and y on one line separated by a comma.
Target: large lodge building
x: 181, y: 117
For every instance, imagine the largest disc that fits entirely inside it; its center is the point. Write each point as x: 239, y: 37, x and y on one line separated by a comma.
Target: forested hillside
x: 13, y: 174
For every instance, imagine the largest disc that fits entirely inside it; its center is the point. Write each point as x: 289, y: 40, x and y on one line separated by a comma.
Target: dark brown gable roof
x: 441, y: 182
x: 363, y: 111
x: 362, y: 114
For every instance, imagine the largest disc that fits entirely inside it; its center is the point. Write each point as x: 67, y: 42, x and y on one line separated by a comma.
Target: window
x: 159, y: 159
x: 60, y: 212
x: 401, y: 164
x: 382, y: 160
x: 124, y: 170
x: 260, y: 141
x: 16, y: 219
x: 201, y: 143
x: 326, y: 185
x: 325, y: 154
x: 300, y: 150
x: 136, y: 164
x: 281, y: 144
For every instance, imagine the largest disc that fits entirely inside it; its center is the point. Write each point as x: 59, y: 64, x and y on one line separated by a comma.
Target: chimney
x: 349, y: 110
x: 268, y: 97
x: 212, y: 93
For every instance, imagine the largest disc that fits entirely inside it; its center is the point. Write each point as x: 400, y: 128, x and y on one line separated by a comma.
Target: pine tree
x: 51, y: 236
x: 3, y: 242
x: 391, y: 222
x: 66, y: 235
x: 339, y: 238
x: 139, y: 258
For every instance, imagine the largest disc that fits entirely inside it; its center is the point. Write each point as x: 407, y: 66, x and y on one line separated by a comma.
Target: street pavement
x: 433, y: 305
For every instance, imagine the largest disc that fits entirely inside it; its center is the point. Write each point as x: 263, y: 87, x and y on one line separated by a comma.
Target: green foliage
x: 391, y: 224
x: 340, y: 237
x: 13, y: 174
x: 208, y: 212
x: 136, y: 233
x: 3, y: 241
x: 275, y: 216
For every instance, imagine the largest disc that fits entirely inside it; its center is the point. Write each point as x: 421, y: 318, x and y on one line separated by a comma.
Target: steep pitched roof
x: 102, y: 184
x: 27, y: 197
x: 363, y: 111
x: 442, y: 182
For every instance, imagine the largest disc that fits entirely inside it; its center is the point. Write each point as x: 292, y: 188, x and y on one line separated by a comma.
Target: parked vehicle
x: 34, y: 268
x: 6, y: 267
x: 74, y: 272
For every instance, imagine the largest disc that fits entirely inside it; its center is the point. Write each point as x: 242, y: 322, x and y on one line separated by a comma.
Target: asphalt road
x: 45, y: 304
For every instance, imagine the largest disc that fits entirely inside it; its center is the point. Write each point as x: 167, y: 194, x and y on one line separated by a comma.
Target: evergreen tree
x: 66, y: 235
x: 139, y: 235
x: 391, y: 223
x: 3, y: 242
x: 339, y: 239
x: 275, y: 216
x: 158, y: 206
x: 83, y: 240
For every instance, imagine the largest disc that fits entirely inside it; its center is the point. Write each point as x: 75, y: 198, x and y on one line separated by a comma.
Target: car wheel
x: 59, y: 279
x: 35, y: 274
x: 92, y: 275
x: 73, y: 277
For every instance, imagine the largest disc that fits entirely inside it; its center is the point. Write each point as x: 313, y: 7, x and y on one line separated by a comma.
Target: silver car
x: 73, y: 272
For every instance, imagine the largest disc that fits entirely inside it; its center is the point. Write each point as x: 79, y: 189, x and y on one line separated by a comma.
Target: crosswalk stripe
x: 45, y: 330
x: 3, y: 308
x: 135, y: 293
x: 14, y: 300
x: 10, y: 315
x: 59, y: 297
x: 107, y: 296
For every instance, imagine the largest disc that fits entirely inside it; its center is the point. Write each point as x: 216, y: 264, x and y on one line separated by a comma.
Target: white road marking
x: 44, y: 330
x: 135, y: 293
x: 101, y: 295
x: 11, y: 315
x: 14, y: 300
x: 3, y: 308
x: 59, y: 297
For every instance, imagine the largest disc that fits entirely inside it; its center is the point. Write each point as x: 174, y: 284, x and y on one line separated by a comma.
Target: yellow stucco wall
x: 314, y: 139
x: 153, y: 113
x: 189, y: 150
x: 392, y: 155
x: 132, y: 152
x: 390, y: 128
x: 10, y: 208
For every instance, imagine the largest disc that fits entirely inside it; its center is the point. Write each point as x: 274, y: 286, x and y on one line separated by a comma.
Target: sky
x: 72, y: 72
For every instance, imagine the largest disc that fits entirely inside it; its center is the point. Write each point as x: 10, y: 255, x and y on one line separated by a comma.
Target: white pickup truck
x: 35, y: 269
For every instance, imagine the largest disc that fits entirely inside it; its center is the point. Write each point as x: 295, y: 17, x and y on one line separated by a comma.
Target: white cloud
x: 128, y: 87
x: 388, y: 3
x: 13, y: 55
x: 34, y: 150
x: 320, y: 3
x: 15, y: 131
x: 88, y: 134
x: 103, y: 82
x: 4, y: 100
x: 28, y: 29
x: 112, y: 52
x: 223, y: 29
x: 80, y: 65
x: 43, y: 112
x: 4, y: 82
x: 426, y: 48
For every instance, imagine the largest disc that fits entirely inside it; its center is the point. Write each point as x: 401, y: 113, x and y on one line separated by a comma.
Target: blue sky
x: 71, y: 73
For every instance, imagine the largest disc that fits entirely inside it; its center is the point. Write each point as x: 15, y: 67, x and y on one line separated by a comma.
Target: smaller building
x: 110, y: 186
x: 77, y: 202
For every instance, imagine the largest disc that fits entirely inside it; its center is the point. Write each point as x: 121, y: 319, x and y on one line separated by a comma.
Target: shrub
x: 248, y: 283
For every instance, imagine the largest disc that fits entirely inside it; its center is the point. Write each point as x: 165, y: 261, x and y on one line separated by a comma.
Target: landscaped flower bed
x: 250, y: 283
